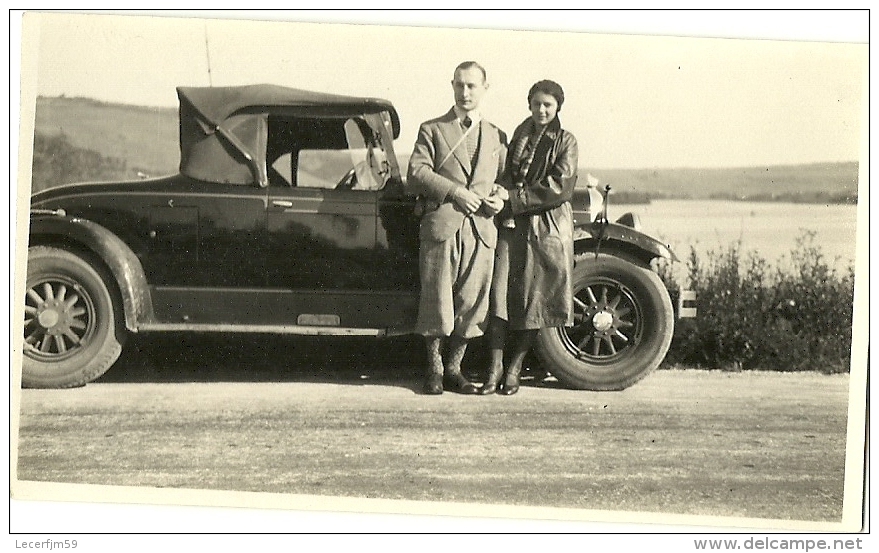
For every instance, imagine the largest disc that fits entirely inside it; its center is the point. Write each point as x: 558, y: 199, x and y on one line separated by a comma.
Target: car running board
x: 306, y: 330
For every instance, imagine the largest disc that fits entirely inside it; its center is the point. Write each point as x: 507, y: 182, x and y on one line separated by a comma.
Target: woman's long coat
x: 534, y: 261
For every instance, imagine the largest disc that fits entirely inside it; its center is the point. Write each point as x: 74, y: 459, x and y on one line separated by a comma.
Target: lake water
x: 769, y: 229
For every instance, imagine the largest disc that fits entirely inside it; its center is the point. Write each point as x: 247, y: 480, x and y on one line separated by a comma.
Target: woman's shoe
x: 508, y: 389
x: 494, y: 378
x: 511, y: 384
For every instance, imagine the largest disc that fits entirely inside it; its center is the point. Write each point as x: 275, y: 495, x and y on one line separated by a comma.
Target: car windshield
x: 327, y: 153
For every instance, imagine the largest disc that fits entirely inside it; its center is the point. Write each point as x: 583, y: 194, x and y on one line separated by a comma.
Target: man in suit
x: 457, y: 159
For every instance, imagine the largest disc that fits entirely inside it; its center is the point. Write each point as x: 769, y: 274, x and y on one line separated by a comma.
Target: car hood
x: 38, y: 199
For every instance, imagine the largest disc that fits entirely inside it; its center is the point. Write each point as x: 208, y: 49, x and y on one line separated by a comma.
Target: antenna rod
x: 207, y: 52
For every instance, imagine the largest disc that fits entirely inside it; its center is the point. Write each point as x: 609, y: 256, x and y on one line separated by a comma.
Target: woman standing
x: 534, y: 260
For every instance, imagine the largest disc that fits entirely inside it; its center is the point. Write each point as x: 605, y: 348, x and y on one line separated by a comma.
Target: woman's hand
x: 493, y: 204
x: 500, y: 192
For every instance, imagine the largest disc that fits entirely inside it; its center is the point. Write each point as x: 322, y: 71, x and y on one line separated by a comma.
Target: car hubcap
x: 602, y: 321
x: 607, y: 322
x: 58, y: 318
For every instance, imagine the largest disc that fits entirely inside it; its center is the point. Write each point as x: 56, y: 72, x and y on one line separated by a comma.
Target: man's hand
x: 468, y: 201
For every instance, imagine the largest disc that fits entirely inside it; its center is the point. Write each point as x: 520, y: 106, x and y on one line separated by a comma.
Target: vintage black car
x: 290, y: 215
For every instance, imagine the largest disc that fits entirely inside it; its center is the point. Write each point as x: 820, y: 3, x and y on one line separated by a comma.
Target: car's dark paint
x: 397, y: 239
x: 326, y: 241
x: 185, y: 232
x: 220, y: 253
x: 321, y: 239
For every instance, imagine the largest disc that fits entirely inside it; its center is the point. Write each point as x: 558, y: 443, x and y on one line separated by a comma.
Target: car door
x: 321, y: 223
x: 205, y: 252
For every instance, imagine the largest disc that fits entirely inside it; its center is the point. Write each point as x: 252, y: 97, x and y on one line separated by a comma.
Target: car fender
x: 599, y: 236
x: 628, y: 243
x: 123, y: 264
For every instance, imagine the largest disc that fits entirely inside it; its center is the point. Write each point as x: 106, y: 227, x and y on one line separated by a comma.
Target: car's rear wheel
x: 72, y: 334
x: 622, y: 329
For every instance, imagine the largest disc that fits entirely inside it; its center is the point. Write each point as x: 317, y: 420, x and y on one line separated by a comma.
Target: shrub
x: 791, y: 317
x: 57, y: 161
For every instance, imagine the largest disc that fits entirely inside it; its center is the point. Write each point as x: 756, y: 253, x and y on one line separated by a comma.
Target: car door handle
x: 282, y: 203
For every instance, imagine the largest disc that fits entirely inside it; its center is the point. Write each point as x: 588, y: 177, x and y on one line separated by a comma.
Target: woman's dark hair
x: 552, y: 88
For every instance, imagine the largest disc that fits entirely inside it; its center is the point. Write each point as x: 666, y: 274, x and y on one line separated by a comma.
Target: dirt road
x: 761, y: 445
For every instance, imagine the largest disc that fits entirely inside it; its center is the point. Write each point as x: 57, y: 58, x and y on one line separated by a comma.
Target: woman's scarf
x: 524, y: 146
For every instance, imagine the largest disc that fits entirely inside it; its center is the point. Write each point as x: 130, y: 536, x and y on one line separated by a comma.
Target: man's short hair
x: 464, y: 65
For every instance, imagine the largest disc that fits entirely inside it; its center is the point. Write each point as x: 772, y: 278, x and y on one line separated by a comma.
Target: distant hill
x: 816, y: 182
x: 146, y: 140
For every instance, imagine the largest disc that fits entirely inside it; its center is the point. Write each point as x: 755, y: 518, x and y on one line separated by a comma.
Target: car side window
x: 332, y: 154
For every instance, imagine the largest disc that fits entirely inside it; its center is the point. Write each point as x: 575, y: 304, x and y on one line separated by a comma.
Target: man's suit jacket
x: 434, y: 174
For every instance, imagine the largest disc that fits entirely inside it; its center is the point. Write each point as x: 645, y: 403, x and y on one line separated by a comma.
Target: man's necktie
x: 472, y: 141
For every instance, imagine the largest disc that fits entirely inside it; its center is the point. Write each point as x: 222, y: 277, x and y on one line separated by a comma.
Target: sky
x: 633, y: 101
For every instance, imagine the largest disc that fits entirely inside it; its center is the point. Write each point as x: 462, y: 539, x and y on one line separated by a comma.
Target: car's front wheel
x: 72, y: 333
x: 623, y: 326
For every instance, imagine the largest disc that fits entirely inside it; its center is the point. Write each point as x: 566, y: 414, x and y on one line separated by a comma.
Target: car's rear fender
x: 75, y: 233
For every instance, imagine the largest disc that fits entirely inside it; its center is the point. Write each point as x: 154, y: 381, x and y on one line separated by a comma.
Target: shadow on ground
x: 173, y: 357
x: 189, y: 357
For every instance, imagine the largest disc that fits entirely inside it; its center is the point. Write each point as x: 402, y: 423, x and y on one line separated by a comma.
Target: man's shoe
x: 461, y: 385
x: 456, y: 380
x: 433, y: 386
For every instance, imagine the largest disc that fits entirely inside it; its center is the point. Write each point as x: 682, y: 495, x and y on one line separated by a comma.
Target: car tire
x: 623, y: 326
x: 72, y: 329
